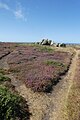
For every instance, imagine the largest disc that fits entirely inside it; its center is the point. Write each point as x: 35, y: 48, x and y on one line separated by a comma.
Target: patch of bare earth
x: 50, y: 106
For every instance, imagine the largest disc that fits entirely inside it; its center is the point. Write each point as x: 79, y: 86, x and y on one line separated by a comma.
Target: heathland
x: 39, y: 82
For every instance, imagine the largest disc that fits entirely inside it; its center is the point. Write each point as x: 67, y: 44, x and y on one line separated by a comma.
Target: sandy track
x: 49, y: 106
x: 60, y: 94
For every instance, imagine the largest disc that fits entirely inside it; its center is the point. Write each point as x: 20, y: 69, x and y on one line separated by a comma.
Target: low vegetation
x: 38, y: 66
x: 6, y: 48
x: 73, y: 103
x: 54, y: 63
x: 45, y: 49
x: 3, y: 78
x: 12, y: 105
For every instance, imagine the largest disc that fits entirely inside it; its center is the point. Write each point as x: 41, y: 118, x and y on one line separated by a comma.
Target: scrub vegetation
x: 39, y: 82
x: 40, y: 67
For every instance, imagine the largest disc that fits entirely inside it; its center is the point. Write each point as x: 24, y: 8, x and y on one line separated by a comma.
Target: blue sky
x: 33, y: 20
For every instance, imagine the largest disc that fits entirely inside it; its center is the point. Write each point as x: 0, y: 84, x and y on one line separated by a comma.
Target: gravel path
x: 43, y: 106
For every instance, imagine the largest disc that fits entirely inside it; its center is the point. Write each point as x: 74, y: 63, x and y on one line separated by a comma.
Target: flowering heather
x: 38, y: 67
x: 6, y: 48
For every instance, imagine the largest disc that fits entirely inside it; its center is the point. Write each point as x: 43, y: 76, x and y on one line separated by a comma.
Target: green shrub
x: 63, y: 45
x: 12, y: 106
x: 2, y: 71
x: 4, y: 78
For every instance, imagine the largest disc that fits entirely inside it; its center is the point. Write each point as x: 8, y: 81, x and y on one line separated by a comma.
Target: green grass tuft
x: 45, y: 49
x: 54, y: 63
x: 4, y: 78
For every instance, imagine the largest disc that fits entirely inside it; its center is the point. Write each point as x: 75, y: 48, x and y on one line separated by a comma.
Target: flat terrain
x: 45, y: 77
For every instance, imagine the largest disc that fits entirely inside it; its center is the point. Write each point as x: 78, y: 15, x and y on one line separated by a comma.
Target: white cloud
x: 4, y: 6
x: 18, y: 12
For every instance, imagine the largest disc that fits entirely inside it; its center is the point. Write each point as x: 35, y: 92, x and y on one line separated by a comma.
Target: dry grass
x: 73, y: 102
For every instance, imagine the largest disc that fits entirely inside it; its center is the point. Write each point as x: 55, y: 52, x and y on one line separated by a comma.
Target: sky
x: 33, y: 20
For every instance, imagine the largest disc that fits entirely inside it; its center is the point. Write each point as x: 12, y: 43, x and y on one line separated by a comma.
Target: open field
x: 39, y: 67
x: 47, y: 77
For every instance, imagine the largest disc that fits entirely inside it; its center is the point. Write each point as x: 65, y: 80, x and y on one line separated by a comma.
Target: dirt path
x: 49, y: 106
x: 60, y: 94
